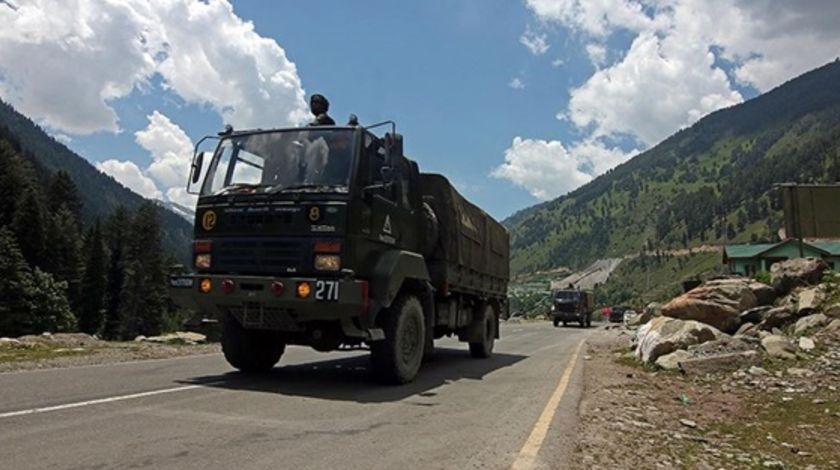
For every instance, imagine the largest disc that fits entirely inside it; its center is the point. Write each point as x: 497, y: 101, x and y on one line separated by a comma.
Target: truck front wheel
x: 484, y: 348
x: 250, y: 350
x: 396, y: 359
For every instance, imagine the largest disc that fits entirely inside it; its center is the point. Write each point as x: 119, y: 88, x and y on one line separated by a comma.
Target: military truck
x: 572, y: 305
x: 330, y: 237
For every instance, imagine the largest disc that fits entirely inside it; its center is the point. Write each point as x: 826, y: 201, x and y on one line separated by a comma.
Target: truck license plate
x: 326, y: 290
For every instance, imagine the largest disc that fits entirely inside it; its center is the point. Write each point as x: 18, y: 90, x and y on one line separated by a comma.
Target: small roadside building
x: 747, y: 260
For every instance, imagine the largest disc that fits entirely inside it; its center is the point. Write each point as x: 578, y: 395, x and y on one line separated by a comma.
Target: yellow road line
x: 527, y: 457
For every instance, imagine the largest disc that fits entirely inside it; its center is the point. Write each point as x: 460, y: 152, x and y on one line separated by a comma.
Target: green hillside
x: 100, y: 193
x: 708, y: 184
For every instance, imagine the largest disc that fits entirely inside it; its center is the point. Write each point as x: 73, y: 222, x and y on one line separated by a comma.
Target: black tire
x: 250, y: 350
x: 556, y: 322
x: 589, y: 321
x: 484, y: 348
x: 565, y: 323
x: 396, y: 359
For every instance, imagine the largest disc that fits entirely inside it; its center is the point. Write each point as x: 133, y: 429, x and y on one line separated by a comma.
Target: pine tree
x: 115, y: 235
x: 13, y: 181
x: 145, y: 250
x: 62, y: 191
x: 28, y: 227
x: 94, y: 283
x: 32, y: 300
x: 16, y: 282
x: 62, y: 250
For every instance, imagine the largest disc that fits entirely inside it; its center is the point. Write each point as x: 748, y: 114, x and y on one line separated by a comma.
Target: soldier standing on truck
x: 319, y: 106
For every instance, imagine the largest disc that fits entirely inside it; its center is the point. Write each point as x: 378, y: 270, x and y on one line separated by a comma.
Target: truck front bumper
x: 276, y: 303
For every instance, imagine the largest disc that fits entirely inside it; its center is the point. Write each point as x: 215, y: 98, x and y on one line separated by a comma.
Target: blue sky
x: 515, y: 101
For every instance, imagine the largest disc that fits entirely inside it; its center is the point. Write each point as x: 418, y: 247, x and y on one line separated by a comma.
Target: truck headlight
x: 327, y: 262
x: 202, y: 261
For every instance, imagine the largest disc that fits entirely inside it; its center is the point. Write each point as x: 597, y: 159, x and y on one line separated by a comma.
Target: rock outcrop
x: 664, y: 335
x: 719, y: 303
x: 785, y: 275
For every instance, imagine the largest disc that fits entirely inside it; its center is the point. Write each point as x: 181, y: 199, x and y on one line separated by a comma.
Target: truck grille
x: 258, y: 256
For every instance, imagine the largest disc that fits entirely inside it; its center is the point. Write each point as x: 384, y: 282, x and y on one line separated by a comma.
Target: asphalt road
x: 314, y: 410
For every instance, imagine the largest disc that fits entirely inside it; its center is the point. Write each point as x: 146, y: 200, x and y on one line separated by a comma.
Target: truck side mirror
x: 393, y: 145
x: 197, y: 165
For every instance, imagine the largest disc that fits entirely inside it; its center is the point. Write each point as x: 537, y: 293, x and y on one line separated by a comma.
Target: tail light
x: 202, y: 246
x: 326, y: 247
x: 277, y: 288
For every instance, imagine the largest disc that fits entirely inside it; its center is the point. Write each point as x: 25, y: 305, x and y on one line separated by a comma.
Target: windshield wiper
x: 315, y: 188
x: 238, y: 187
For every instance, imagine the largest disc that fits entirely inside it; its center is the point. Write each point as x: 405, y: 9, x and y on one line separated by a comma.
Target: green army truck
x: 330, y: 237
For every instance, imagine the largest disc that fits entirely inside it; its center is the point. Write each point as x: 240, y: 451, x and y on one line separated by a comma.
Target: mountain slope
x: 100, y: 193
x: 709, y: 183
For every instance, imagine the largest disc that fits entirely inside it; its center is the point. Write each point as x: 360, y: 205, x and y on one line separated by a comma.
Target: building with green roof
x: 747, y: 260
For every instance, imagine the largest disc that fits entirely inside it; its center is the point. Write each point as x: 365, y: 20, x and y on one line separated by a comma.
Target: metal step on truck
x: 329, y: 237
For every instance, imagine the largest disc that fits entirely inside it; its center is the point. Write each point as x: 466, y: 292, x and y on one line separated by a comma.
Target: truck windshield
x: 293, y: 160
x: 567, y: 295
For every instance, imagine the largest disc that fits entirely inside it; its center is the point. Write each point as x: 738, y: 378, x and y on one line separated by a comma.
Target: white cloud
x: 593, y: 17
x: 659, y: 86
x: 516, y: 84
x: 536, y: 43
x: 170, y: 154
x: 131, y: 176
x: 557, y: 62
x: 90, y: 53
x: 671, y: 74
x: 179, y: 195
x: 597, y: 54
x: 170, y: 149
x: 548, y: 169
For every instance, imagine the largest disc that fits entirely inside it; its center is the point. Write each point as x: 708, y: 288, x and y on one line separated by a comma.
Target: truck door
x: 391, y: 214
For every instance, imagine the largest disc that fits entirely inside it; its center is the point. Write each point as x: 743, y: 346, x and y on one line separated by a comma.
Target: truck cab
x: 572, y: 305
x: 314, y: 236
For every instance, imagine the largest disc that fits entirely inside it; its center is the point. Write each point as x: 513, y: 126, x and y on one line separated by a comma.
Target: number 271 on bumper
x: 326, y: 290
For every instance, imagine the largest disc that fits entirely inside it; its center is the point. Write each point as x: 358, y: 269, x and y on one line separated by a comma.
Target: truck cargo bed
x: 471, y: 255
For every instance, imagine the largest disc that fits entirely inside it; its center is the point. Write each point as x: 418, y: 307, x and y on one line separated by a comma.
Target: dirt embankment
x: 774, y: 414
x: 78, y: 349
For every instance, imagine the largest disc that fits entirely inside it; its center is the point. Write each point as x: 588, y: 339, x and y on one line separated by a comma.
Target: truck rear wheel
x: 484, y: 348
x: 250, y: 350
x: 396, y: 359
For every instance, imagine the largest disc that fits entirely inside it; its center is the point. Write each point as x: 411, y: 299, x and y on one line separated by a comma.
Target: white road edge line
x: 527, y: 457
x: 99, y: 401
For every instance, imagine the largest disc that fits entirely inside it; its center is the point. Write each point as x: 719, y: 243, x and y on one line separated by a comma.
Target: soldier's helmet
x: 318, y: 104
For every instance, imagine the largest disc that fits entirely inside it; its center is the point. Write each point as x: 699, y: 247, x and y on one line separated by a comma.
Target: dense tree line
x: 59, y: 274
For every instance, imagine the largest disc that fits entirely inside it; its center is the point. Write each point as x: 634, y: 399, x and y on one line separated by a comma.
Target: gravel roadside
x: 72, y: 350
x: 634, y: 417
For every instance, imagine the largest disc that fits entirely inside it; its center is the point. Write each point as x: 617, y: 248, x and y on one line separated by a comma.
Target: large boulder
x: 809, y: 300
x: 778, y: 346
x: 778, y: 317
x: 785, y: 275
x: 664, y: 335
x: 810, y: 322
x: 754, y: 315
x: 672, y: 360
x: 718, y: 303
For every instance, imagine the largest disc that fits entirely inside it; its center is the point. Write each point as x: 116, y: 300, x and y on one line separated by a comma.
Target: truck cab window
x: 377, y: 159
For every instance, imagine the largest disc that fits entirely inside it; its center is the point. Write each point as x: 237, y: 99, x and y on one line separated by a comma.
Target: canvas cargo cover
x: 473, y: 248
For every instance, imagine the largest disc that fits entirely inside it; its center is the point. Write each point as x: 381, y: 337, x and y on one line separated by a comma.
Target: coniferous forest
x: 62, y: 273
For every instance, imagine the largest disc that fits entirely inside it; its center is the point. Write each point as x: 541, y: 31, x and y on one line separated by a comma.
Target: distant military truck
x: 572, y: 305
x: 330, y: 237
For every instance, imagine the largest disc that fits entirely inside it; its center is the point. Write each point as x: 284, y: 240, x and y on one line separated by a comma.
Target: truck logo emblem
x: 386, y: 227
x: 208, y: 220
x: 314, y: 213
